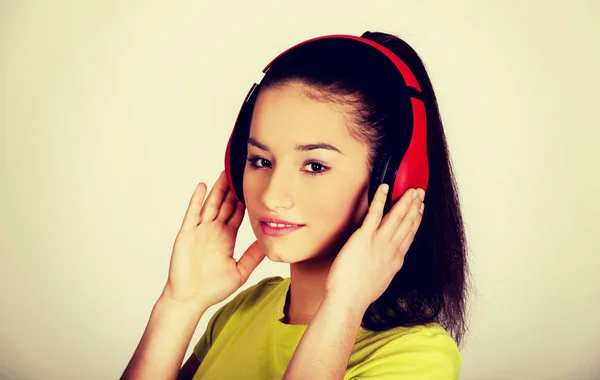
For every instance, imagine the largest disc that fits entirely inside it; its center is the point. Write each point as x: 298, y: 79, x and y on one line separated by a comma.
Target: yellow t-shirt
x: 246, y: 339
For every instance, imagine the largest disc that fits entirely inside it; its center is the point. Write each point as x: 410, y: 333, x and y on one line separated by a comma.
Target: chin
x: 288, y: 256
x: 282, y: 255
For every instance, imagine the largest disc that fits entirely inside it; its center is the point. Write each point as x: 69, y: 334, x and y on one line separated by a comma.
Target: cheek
x: 329, y: 204
x: 253, y: 189
x: 341, y: 205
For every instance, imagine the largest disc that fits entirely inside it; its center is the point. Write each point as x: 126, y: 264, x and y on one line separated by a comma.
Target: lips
x: 278, y: 227
x: 279, y: 223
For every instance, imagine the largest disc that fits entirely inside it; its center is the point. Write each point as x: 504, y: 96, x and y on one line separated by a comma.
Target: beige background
x: 111, y: 112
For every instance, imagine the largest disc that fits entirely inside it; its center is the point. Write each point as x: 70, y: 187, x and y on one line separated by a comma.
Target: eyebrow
x: 300, y: 148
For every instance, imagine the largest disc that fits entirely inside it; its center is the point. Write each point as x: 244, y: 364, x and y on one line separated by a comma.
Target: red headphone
x: 400, y: 169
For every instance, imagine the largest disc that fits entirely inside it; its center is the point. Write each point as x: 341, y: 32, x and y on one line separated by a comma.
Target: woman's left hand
x: 371, y: 257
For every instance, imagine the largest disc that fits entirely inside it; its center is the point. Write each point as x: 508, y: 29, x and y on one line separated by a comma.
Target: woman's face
x: 305, y: 168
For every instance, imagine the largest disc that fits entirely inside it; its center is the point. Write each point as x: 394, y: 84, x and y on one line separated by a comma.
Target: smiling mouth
x: 278, y: 229
x: 280, y: 225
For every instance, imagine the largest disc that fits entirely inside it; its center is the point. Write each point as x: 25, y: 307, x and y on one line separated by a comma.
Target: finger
x: 392, y: 220
x: 227, y: 206
x: 192, y: 214
x: 215, y: 198
x: 250, y: 259
x: 375, y: 212
x: 238, y: 215
x: 405, y: 245
x: 407, y: 230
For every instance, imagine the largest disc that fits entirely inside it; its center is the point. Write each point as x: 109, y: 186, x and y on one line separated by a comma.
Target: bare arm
x: 163, y: 345
x: 325, y: 347
x: 202, y: 272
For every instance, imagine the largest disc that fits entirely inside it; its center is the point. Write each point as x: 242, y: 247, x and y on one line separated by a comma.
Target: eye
x: 310, y: 167
x: 257, y: 162
x: 315, y: 167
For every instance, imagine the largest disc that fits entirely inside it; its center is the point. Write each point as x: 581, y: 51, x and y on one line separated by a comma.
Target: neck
x: 307, y: 290
x: 308, y: 280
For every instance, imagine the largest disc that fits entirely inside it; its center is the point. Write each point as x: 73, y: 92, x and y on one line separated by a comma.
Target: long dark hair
x: 433, y: 281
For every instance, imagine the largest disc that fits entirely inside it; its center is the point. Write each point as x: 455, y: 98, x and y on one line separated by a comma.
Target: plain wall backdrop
x: 111, y: 112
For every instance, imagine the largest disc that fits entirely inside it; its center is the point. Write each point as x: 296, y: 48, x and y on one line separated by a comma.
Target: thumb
x: 250, y: 259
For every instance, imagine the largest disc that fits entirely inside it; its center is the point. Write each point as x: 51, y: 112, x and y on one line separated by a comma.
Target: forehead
x: 286, y: 114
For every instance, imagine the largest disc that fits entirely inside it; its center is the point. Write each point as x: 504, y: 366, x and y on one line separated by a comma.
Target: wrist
x: 180, y: 309
x: 192, y: 304
x: 345, y: 304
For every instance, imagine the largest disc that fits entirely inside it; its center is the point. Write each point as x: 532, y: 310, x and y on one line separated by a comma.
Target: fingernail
x: 422, y: 207
x: 386, y: 188
x: 421, y: 194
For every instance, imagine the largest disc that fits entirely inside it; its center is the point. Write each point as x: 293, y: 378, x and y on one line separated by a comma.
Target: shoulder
x: 238, y: 306
x: 419, y: 352
x: 266, y: 284
x: 258, y: 291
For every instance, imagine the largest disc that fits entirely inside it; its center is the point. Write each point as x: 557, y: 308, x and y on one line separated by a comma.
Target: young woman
x: 373, y: 292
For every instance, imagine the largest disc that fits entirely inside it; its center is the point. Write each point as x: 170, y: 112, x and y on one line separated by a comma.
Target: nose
x: 277, y: 193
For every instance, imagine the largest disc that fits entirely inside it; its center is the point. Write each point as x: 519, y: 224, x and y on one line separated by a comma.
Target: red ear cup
x: 413, y: 171
x: 402, y: 161
x: 401, y: 168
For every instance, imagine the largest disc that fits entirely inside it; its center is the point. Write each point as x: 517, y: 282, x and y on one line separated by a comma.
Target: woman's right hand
x: 202, y: 268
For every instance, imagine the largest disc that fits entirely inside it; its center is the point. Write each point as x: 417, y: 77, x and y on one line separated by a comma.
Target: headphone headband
x: 407, y: 74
